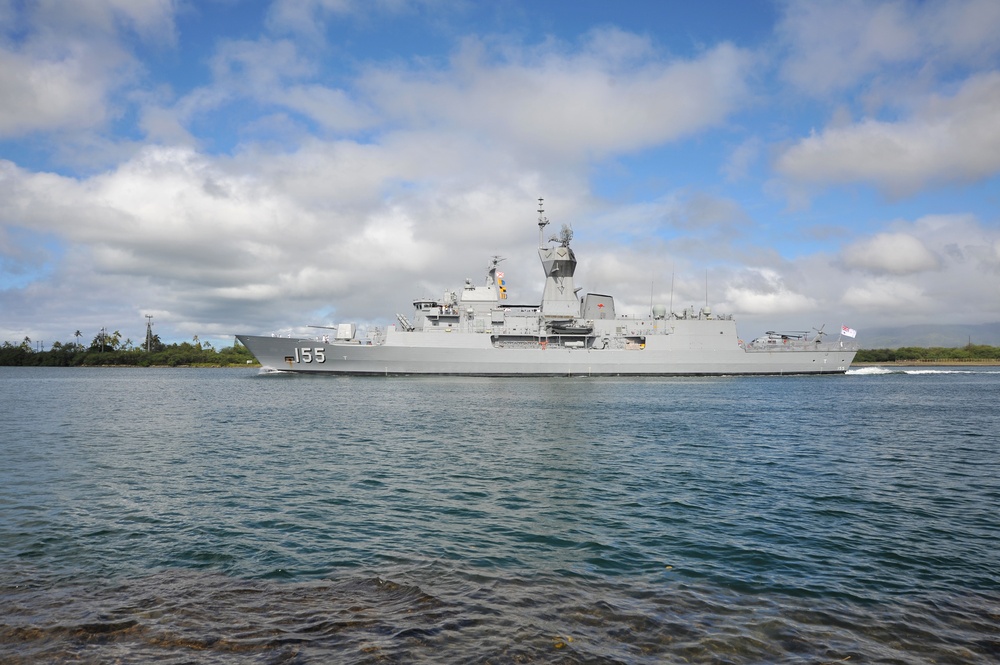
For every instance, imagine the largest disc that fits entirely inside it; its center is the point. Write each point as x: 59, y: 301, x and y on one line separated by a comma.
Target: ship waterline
x: 472, y: 331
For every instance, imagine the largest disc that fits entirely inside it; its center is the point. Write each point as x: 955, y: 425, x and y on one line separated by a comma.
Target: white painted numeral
x: 307, y: 355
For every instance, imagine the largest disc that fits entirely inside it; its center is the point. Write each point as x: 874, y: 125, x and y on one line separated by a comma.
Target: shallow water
x: 224, y: 516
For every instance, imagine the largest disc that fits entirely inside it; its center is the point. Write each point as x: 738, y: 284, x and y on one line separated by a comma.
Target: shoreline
x: 930, y: 363
x: 256, y: 365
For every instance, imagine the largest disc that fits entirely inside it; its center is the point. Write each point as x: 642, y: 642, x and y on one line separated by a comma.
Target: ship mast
x: 542, y: 223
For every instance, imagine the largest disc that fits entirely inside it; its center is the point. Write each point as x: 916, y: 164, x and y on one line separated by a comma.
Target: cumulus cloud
x: 584, y: 103
x: 150, y: 19
x: 764, y: 291
x: 259, y: 67
x: 612, y: 94
x: 946, y: 139
x: 887, y: 295
x: 309, y: 18
x: 202, y: 238
x: 937, y: 263
x: 281, y: 189
x: 961, y: 241
x: 65, y: 92
x: 834, y: 44
x: 892, y: 253
x: 61, y: 62
x: 987, y: 257
x: 334, y: 109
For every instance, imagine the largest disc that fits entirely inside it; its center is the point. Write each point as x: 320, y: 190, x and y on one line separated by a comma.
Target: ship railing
x: 793, y: 346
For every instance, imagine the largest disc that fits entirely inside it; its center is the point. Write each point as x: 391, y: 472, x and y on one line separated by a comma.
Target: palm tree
x: 77, y: 334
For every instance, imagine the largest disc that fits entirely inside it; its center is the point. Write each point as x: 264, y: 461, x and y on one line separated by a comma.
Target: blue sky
x: 231, y: 166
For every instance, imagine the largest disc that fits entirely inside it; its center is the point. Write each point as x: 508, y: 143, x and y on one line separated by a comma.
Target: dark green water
x: 221, y: 516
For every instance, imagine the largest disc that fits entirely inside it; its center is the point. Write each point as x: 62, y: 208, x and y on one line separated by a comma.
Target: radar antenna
x: 491, y: 270
x: 565, y: 235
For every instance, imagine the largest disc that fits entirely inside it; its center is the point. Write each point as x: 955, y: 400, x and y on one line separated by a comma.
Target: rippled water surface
x: 222, y: 516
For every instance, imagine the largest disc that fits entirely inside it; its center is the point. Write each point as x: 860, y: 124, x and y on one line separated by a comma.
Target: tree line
x: 967, y: 353
x: 110, y: 349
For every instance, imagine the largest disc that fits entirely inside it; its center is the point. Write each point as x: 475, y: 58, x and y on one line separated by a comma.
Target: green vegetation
x: 962, y: 354
x: 110, y: 349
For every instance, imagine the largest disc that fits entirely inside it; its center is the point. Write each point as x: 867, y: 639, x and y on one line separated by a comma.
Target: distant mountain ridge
x: 944, y: 335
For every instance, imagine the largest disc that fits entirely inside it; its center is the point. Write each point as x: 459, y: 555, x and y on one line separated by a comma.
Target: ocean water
x: 224, y: 516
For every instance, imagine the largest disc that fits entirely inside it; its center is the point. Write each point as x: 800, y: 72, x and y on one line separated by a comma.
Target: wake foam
x: 876, y: 371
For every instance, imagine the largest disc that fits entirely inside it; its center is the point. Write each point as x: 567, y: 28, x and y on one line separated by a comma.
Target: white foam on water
x: 876, y: 371
x: 869, y: 371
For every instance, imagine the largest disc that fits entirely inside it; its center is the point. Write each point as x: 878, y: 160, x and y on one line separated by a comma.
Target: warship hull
x: 548, y: 358
x: 473, y: 331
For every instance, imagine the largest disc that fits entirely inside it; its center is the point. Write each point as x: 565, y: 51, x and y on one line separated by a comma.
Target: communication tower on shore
x: 149, y: 333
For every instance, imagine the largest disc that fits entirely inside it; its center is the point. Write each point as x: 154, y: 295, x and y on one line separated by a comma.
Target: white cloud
x: 231, y: 244
x: 764, y: 291
x: 742, y: 158
x: 68, y: 91
x: 962, y: 243
x: 886, y: 296
x: 61, y: 62
x: 368, y: 187
x: 834, y: 44
x: 892, y: 253
x: 202, y: 238
x: 260, y: 67
x: 266, y: 71
x: 308, y: 18
x: 611, y: 95
x: 987, y: 258
x: 54, y: 21
x: 588, y: 103
x: 152, y: 20
x: 334, y: 109
x: 769, y: 304
x: 947, y: 139
x: 944, y: 266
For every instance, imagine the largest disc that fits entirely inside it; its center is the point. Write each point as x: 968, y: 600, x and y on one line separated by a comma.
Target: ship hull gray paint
x: 278, y: 353
x: 473, y: 331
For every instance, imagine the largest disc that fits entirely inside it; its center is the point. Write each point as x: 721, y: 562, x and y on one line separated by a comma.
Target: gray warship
x: 474, y: 332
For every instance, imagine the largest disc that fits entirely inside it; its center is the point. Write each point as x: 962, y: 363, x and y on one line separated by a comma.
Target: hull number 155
x: 307, y: 355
